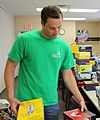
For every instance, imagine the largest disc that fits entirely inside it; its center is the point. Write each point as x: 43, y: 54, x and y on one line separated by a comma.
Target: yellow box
x: 92, y: 62
x: 31, y: 110
x: 74, y: 48
x: 82, y: 55
x: 84, y: 68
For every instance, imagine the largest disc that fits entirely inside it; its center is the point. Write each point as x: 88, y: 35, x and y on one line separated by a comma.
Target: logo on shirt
x: 57, y: 55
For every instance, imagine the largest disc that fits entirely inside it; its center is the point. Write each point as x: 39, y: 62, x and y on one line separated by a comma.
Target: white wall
x: 69, y: 26
x: 92, y: 27
x: 99, y: 29
x: 7, y: 35
x: 70, y: 31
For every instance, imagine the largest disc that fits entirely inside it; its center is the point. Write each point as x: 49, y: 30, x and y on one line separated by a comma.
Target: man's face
x: 52, y: 27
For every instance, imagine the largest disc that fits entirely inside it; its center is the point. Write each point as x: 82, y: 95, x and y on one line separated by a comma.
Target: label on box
x: 87, y: 48
x: 84, y: 75
x: 82, y: 55
x: 84, y: 68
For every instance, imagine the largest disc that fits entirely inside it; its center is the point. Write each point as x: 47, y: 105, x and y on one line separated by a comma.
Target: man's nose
x: 56, y: 31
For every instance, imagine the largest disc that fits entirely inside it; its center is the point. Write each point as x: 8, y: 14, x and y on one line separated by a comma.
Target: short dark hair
x: 50, y: 11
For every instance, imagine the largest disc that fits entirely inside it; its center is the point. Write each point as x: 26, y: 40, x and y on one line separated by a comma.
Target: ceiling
x: 28, y: 7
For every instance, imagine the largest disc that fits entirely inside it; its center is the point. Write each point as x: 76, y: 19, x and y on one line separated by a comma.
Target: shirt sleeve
x: 68, y: 61
x: 17, y: 51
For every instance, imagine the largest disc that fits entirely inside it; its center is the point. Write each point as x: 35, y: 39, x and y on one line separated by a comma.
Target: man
x: 41, y: 55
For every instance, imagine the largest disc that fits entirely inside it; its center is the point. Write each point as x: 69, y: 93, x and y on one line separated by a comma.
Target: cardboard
x: 90, y: 85
x: 31, y: 110
x: 83, y: 75
x: 82, y: 55
x: 76, y: 114
x: 84, y: 68
x: 82, y: 61
x: 74, y: 48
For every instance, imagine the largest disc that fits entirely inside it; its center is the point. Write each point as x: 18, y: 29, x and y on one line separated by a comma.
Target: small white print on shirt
x: 57, y: 55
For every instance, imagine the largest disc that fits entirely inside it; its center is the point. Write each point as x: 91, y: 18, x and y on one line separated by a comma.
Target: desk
x: 92, y: 96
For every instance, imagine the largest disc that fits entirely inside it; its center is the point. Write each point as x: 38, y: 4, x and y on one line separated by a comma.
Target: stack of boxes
x: 83, y: 67
x: 85, y: 64
x: 85, y: 48
x: 82, y: 54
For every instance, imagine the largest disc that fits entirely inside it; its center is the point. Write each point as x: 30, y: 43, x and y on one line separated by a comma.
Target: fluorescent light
x: 62, y: 9
x: 83, y: 10
x: 74, y: 18
x: 39, y: 9
x: 72, y: 10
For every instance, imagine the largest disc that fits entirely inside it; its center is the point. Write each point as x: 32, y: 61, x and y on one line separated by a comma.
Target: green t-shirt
x: 40, y: 61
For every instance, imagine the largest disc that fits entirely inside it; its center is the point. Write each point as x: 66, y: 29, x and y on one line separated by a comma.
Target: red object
x: 80, y: 84
x: 76, y: 114
x: 28, y: 26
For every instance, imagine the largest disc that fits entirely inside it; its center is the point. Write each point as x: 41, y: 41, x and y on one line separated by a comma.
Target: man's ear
x: 42, y: 23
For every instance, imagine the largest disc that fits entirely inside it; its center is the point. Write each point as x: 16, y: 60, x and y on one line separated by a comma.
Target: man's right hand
x: 14, y: 103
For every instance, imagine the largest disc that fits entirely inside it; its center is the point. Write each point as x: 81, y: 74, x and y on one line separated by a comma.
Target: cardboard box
x: 82, y: 61
x: 74, y: 48
x: 85, y: 48
x: 83, y: 75
x: 90, y: 85
x: 82, y: 55
x: 84, y: 68
x: 92, y: 62
x: 94, y: 68
x: 31, y: 110
x: 76, y: 114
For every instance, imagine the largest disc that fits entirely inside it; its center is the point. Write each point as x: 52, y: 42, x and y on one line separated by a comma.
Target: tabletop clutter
x: 5, y: 113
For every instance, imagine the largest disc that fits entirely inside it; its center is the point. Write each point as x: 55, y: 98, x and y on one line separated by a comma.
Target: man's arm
x: 9, y: 77
x: 9, y: 81
x: 70, y: 82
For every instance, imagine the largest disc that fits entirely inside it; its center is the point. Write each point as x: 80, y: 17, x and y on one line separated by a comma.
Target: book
x: 31, y: 110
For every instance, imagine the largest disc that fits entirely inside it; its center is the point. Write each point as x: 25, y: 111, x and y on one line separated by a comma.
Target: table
x: 92, y: 96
